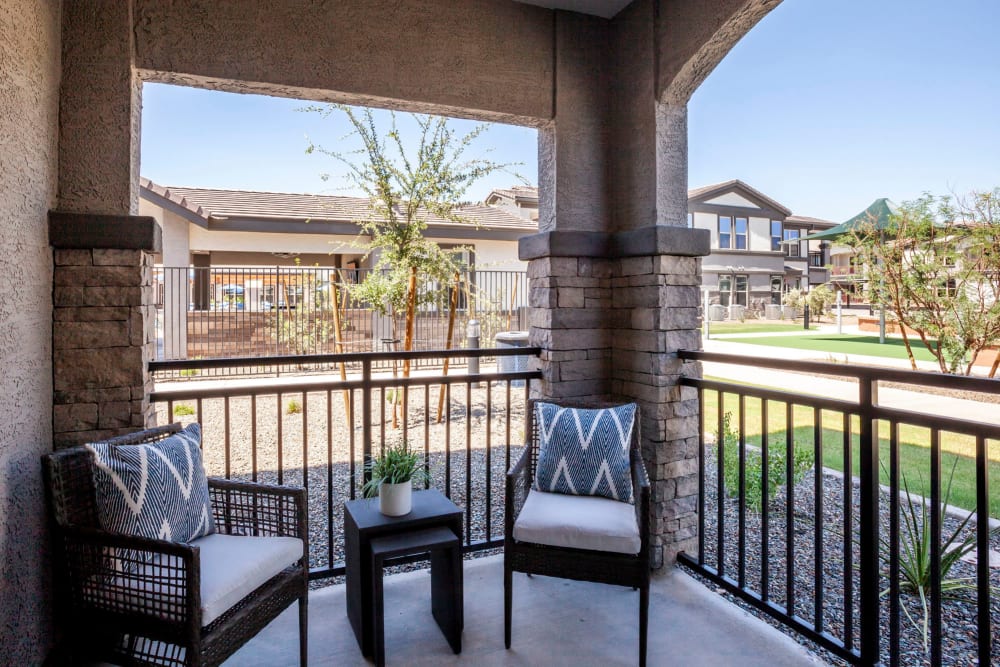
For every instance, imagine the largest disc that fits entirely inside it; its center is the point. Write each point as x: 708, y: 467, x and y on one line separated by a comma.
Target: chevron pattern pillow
x: 157, y: 490
x: 585, y: 452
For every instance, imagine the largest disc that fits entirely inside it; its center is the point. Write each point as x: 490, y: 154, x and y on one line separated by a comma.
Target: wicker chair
x: 624, y: 569
x: 112, y: 605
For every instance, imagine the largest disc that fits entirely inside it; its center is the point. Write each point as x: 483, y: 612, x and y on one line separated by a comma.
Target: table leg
x: 447, y: 595
x: 378, y: 612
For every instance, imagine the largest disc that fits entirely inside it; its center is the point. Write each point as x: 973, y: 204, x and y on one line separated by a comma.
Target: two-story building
x: 757, y: 254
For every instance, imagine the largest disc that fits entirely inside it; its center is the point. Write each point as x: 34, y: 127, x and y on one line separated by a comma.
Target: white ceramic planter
x: 395, y: 499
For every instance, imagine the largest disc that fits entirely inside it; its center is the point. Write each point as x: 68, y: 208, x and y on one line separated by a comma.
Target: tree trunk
x: 513, y: 298
x: 411, y: 314
x: 339, y: 341
x: 906, y: 342
x: 447, y: 345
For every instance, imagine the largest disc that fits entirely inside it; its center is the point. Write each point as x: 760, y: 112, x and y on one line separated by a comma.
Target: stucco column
x: 614, y: 272
x: 103, y: 325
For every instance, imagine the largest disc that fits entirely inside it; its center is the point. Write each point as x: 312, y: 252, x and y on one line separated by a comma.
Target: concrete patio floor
x: 556, y: 622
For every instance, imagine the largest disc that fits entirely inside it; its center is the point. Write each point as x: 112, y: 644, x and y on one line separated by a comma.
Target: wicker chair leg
x: 643, y: 622
x: 508, y: 600
x: 304, y: 630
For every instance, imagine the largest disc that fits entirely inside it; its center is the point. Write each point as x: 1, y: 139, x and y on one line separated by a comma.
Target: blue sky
x: 825, y: 106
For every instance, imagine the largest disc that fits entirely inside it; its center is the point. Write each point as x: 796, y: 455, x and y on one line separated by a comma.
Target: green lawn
x: 914, y: 450
x: 893, y: 348
x: 723, y: 328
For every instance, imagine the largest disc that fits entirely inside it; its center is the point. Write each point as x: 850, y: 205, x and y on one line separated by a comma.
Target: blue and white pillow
x: 585, y: 452
x: 156, y: 490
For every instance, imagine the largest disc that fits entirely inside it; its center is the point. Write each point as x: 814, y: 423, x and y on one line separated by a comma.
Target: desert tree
x: 935, y: 266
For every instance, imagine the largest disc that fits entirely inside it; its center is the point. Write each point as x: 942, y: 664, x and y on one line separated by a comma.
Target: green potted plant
x: 391, y: 477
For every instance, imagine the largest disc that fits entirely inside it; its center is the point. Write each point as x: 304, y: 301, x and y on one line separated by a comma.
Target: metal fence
x: 214, y: 312
x: 825, y: 555
x: 318, y: 433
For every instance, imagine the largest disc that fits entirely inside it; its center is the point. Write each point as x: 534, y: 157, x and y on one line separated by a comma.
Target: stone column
x: 610, y: 312
x: 568, y: 300
x: 656, y: 306
x: 103, y: 325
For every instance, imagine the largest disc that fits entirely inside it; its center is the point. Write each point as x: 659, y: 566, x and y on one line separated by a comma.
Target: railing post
x: 366, y: 416
x: 869, y: 521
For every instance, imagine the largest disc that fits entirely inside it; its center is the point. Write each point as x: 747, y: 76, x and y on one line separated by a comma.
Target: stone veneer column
x: 569, y: 297
x: 610, y: 312
x: 103, y: 336
x: 103, y: 324
x: 655, y: 304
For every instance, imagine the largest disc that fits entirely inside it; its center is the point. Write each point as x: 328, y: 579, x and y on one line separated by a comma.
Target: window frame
x: 789, y: 247
x: 777, y: 239
x: 745, y: 234
x: 776, y: 294
x: 728, y: 233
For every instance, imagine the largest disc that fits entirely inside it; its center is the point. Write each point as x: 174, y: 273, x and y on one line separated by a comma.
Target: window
x: 776, y: 290
x: 816, y: 259
x: 725, y: 232
x: 725, y: 289
x: 741, y: 233
x: 740, y: 292
x: 948, y: 288
x: 776, y: 235
x: 733, y: 289
x: 791, y: 243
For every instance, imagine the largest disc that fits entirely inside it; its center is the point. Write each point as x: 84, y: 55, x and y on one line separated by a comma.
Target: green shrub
x: 183, y: 410
x: 293, y: 407
x: 915, y: 553
x: 803, y: 459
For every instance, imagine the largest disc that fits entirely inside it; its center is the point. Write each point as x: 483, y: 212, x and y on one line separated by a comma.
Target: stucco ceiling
x: 605, y: 8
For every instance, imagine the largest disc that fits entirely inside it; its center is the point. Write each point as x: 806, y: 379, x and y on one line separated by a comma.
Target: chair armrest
x: 252, y: 508
x: 641, y: 490
x: 154, y: 580
x: 516, y: 491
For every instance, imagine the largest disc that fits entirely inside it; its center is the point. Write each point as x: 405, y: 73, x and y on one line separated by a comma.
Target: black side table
x: 363, y: 524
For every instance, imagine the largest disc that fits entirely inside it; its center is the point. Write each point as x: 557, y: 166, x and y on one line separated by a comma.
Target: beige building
x: 756, y: 252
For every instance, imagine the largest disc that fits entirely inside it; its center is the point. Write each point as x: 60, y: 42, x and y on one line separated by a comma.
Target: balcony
x: 793, y: 567
x: 470, y: 447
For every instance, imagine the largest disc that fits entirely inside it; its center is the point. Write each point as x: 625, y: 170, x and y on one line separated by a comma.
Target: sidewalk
x: 904, y: 399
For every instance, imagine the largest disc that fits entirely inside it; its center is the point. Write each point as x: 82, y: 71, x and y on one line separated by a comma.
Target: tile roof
x: 221, y: 204
x: 737, y: 183
x: 524, y: 192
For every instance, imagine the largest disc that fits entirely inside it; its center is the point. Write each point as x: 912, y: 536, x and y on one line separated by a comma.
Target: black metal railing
x: 318, y: 432
x: 237, y: 311
x: 818, y: 554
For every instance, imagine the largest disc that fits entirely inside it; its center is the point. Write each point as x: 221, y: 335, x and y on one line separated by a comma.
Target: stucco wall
x: 632, y: 152
x: 29, y: 70
x: 99, y: 110
x: 490, y: 58
x: 759, y: 234
x: 176, y: 249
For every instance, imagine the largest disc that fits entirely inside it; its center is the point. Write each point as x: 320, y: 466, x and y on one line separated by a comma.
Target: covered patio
x: 556, y: 622
x: 614, y: 271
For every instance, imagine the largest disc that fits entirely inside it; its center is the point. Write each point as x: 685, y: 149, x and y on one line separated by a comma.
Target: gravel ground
x: 958, y: 617
x: 328, y: 458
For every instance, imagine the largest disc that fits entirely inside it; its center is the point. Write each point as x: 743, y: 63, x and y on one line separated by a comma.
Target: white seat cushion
x: 578, y: 522
x: 232, y: 567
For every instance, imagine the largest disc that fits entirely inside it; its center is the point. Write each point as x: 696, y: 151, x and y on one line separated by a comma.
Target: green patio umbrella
x: 880, y: 211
